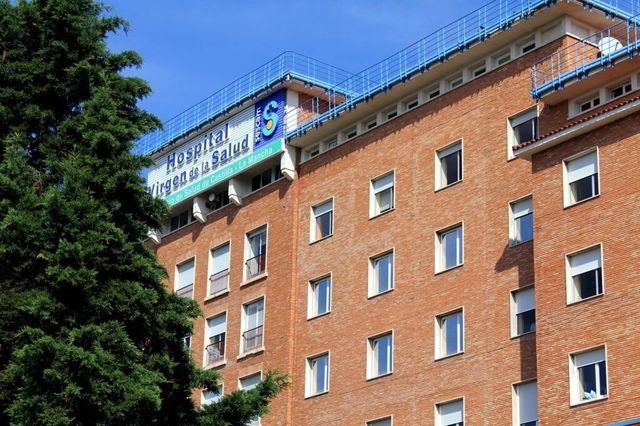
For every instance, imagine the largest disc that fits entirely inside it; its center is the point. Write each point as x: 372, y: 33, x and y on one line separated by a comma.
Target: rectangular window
x: 449, y: 165
x: 219, y: 278
x: 181, y: 219
x: 525, y: 404
x: 317, y: 375
x: 185, y: 279
x: 582, y: 181
x: 455, y: 81
x: 256, y: 253
x: 382, y: 194
x: 524, y: 312
x: 585, y: 274
x: 380, y: 274
x: 314, y: 151
x: 479, y: 69
x: 381, y: 422
x: 588, y: 376
x: 261, y: 179
x: 351, y: 133
x: 247, y: 383
x: 449, y: 334
x: 521, y: 221
x: 331, y: 143
x: 450, y: 413
x: 433, y: 92
x: 252, y: 327
x: 216, y: 339
x: 380, y: 356
x: 218, y: 200
x: 524, y: 127
x: 391, y: 113
x: 411, y: 104
x: 620, y: 89
x: 212, y: 396
x: 371, y: 123
x: 319, y: 302
x: 449, y: 248
x: 587, y: 103
x: 322, y: 221
x: 502, y: 58
x: 526, y: 46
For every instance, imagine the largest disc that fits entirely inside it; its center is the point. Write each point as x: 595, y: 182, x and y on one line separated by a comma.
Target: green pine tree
x: 88, y: 333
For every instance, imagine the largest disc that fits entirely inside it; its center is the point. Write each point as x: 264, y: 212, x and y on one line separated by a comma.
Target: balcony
x: 218, y: 282
x: 186, y: 291
x: 584, y: 59
x: 215, y: 351
x: 252, y: 339
x: 256, y: 266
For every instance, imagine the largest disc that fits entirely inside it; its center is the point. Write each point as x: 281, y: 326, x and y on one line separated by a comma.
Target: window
x: 588, y: 103
x: 521, y: 213
x: 455, y: 81
x: 526, y: 46
x: 265, y: 177
x: 351, y: 133
x: 256, y: 253
x: 620, y: 89
x: 314, y: 151
x: 449, y: 334
x: 216, y: 339
x: 371, y: 123
x: 523, y: 127
x: 479, y: 69
x: 585, y: 274
x: 582, y: 178
x: 181, y: 219
x: 381, y: 274
x: 391, y: 113
x: 382, y: 194
x: 322, y: 221
x: 524, y: 312
x: 219, y: 278
x: 450, y: 413
x: 319, y: 302
x: 449, y: 248
x: 317, y: 375
x: 588, y: 376
x: 217, y: 200
x: 247, y: 383
x: 449, y: 165
x: 381, y: 422
x: 502, y: 58
x: 411, y: 103
x: 380, y: 356
x: 186, y: 341
x: 211, y: 396
x: 525, y: 404
x: 433, y: 92
x: 185, y: 279
x: 331, y: 143
x: 252, y: 326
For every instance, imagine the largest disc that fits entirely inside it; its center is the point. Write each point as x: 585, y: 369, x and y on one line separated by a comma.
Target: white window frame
x: 568, y: 202
x: 480, y: 66
x: 330, y: 143
x: 515, y: 400
x: 514, y: 309
x: 310, y: 375
x: 258, y: 421
x: 312, y: 152
x: 177, y: 284
x: 524, y: 44
x: 350, y: 133
x: 574, y: 376
x: 211, y: 271
x: 455, y: 81
x: 390, y: 113
x: 440, y: 255
x: 313, y: 223
x: 372, y: 364
x: 249, y: 255
x: 516, y: 120
x: 370, y: 123
x: 591, y: 99
x: 440, y: 341
x: 572, y: 296
x: 243, y: 324
x: 312, y: 307
x: 220, y: 390
x: 410, y: 103
x: 437, y: 407
x: 432, y: 92
x: 501, y: 58
x: 514, y: 216
x: 379, y: 419
x: 444, y: 152
x: 620, y: 84
x: 207, y: 337
x: 373, y: 291
x: 373, y: 205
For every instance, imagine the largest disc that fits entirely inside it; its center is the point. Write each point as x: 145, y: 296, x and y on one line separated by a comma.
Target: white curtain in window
x: 525, y: 300
x: 582, y: 167
x: 323, y: 208
x: 250, y: 382
x: 588, y: 358
x: 254, y: 315
x: 217, y: 325
x: 185, y: 274
x: 585, y: 261
x: 527, y: 402
x: 221, y: 259
x: 521, y: 208
x: 451, y: 413
x: 383, y: 183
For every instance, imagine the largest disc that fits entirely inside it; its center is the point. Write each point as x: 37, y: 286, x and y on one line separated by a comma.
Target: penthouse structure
x: 446, y: 237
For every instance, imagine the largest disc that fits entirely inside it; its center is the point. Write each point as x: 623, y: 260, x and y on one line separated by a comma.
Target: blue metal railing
x: 578, y: 60
x: 287, y: 65
x: 476, y: 27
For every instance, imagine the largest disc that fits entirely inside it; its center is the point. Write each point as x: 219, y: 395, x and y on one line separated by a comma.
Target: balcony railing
x: 256, y: 265
x: 252, y: 339
x: 215, y: 351
x: 585, y: 57
x: 186, y: 291
x: 218, y: 282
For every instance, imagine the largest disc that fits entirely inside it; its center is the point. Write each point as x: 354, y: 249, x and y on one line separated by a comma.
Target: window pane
x: 589, y: 283
x: 526, y: 131
x: 452, y: 327
x: 383, y: 267
x: 587, y: 376
x: 382, y: 349
x: 584, y: 188
x: 452, y: 248
x: 323, y: 225
x: 524, y: 228
x: 526, y: 322
x: 384, y: 200
x: 451, y: 168
x: 602, y: 377
x: 322, y: 293
x: 320, y: 370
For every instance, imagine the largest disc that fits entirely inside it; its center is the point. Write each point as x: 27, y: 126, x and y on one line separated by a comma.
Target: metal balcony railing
x: 286, y: 66
x: 256, y: 265
x: 580, y: 59
x: 252, y: 339
x: 186, y: 291
x: 218, y: 282
x: 215, y: 350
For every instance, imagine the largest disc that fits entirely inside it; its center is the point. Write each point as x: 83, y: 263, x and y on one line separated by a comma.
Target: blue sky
x: 192, y: 48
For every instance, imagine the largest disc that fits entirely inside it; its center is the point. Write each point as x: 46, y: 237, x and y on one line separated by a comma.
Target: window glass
x: 450, y: 248
x: 525, y: 311
x: 450, y: 160
x: 382, y: 273
x: 582, y: 176
x: 382, y: 355
x: 320, y: 297
x: 323, y: 220
x: 451, y: 327
x: 527, y: 403
x: 586, y: 274
x: 451, y: 413
x: 522, y: 226
x: 383, y: 193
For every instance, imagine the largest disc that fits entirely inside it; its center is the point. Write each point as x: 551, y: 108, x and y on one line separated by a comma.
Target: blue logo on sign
x: 270, y: 118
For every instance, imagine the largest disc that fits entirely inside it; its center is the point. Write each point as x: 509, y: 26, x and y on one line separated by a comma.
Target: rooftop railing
x: 285, y: 66
x: 580, y: 59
